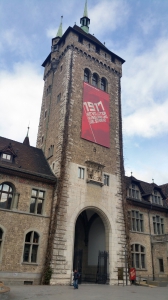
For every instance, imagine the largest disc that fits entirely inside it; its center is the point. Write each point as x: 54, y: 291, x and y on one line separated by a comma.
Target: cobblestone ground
x: 88, y: 292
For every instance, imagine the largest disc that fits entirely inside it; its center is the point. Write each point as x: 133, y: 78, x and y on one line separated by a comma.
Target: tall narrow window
x: 80, y: 172
x: 95, y: 80
x: 161, y: 266
x: 80, y: 39
x: 59, y: 98
x: 103, y: 84
x: 137, y: 221
x: 1, y: 238
x: 158, y: 225
x: 31, y: 247
x: 6, y: 195
x: 86, y: 75
x: 97, y: 49
x: 106, y: 179
x: 37, y: 202
x: 138, y: 256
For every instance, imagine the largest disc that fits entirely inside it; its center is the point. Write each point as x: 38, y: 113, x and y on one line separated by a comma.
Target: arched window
x: 31, y: 247
x: 6, y: 195
x: 86, y: 75
x: 95, y: 80
x: 103, y: 84
x: 1, y: 238
x: 138, y: 256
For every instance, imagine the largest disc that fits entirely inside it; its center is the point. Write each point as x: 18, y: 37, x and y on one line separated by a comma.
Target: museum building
x: 67, y: 204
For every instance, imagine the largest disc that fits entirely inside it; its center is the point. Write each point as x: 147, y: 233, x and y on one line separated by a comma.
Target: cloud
x: 147, y: 173
x: 21, y: 94
x: 145, y: 91
x: 108, y: 15
x: 148, y: 121
x: 148, y: 23
x: 16, y: 42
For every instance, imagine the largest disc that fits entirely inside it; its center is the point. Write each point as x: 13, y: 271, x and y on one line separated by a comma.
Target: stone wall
x: 155, y: 245
x: 15, y: 223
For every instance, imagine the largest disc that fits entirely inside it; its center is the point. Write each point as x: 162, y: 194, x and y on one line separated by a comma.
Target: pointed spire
x: 85, y: 14
x: 59, y: 33
x: 85, y: 21
x: 26, y: 140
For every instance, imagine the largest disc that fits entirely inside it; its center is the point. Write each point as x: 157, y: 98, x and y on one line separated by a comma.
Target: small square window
x: 81, y: 172
x: 45, y: 114
x: 7, y: 157
x: 106, y: 179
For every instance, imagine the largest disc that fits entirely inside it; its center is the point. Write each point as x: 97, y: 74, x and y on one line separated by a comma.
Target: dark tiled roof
x: 147, y: 189
x: 28, y: 159
x: 164, y: 187
x: 88, y: 36
x: 94, y: 40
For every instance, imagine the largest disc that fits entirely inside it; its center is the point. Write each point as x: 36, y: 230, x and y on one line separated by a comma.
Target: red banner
x: 95, y: 117
x: 132, y: 274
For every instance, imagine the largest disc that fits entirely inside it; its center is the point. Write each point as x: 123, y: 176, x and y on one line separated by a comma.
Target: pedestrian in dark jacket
x: 75, y: 280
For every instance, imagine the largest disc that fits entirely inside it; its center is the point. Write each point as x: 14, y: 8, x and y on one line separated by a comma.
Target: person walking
x: 75, y: 280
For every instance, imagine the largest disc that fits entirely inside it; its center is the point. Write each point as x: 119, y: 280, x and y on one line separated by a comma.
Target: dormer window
x: 6, y: 157
x: 156, y: 198
x: 134, y: 191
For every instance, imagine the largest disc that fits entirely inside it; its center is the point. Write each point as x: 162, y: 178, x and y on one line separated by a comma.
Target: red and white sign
x: 132, y: 274
x: 95, y: 117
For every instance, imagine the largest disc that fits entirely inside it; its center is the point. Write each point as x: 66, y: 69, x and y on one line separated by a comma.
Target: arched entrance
x: 91, y: 247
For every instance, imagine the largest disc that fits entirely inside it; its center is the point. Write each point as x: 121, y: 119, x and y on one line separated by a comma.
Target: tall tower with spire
x: 80, y: 132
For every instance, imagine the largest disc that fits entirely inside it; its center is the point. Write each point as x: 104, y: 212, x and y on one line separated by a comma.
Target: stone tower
x: 80, y: 132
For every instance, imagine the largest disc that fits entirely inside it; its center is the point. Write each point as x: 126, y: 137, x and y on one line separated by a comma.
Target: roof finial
x: 152, y: 180
x: 131, y: 174
x: 28, y: 131
x: 85, y: 14
x: 59, y: 33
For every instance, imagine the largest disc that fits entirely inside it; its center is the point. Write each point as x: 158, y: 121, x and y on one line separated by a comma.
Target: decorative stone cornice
x: 83, y: 53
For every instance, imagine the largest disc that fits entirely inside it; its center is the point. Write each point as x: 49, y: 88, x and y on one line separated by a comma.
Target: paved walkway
x: 88, y: 292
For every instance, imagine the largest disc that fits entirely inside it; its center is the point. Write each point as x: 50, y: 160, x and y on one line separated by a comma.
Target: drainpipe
x: 153, y: 271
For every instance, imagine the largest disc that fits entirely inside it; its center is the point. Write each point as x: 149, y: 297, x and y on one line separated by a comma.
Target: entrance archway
x: 91, y: 247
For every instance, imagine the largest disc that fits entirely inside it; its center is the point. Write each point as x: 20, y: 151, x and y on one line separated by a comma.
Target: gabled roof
x: 8, y: 149
x: 27, y: 160
x: 89, y: 37
x: 146, y: 187
x: 164, y: 188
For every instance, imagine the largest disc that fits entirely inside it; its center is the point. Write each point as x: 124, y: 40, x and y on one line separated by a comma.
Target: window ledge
x: 24, y: 213
x: 30, y: 264
x: 89, y: 180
